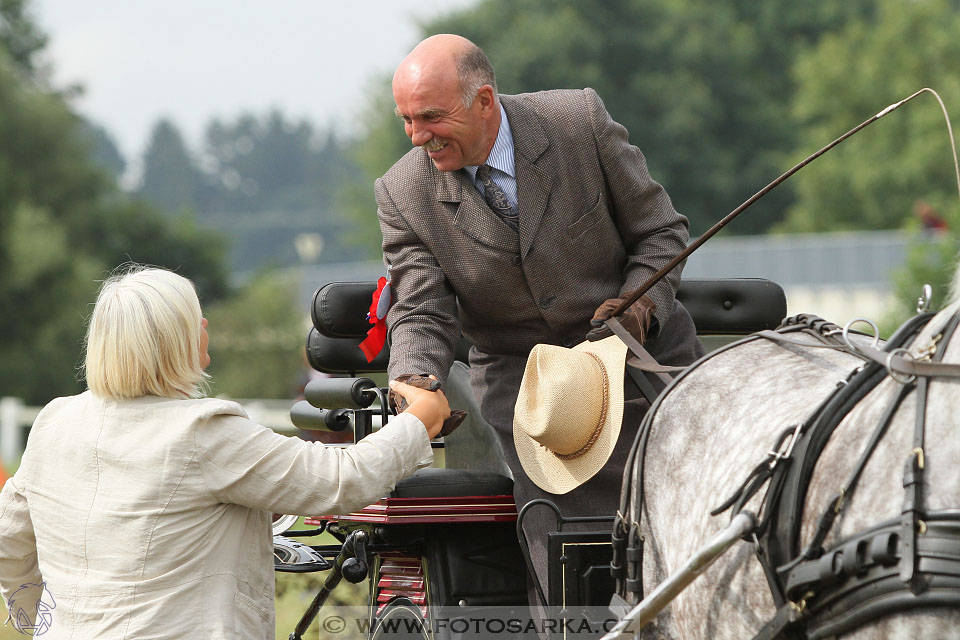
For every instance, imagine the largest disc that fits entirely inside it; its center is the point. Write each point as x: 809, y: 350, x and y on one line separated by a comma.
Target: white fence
x: 16, y: 418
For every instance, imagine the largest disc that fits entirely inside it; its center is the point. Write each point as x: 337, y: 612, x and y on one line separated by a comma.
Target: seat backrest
x: 719, y: 306
x: 733, y: 306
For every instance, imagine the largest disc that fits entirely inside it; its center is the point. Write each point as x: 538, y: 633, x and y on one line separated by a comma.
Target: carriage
x: 446, y: 547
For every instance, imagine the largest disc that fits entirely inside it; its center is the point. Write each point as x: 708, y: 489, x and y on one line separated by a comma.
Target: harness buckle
x: 786, y: 448
x: 800, y: 607
x: 919, y: 453
x: 926, y: 353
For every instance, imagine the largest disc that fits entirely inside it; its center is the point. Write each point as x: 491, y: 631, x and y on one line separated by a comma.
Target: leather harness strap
x: 914, y: 468
x: 845, y: 594
x: 641, y: 362
x: 818, y: 592
x: 642, y: 358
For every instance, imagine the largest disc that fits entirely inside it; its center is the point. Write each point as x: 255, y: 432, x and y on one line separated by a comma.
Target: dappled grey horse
x: 886, y: 563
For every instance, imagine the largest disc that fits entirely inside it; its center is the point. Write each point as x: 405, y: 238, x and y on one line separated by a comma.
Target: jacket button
x: 569, y: 341
x: 516, y: 261
x: 546, y: 301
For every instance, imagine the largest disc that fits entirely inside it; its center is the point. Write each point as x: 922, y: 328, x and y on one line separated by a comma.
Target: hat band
x: 603, y: 416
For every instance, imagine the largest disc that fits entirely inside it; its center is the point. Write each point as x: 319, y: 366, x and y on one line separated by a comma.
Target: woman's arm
x: 245, y: 463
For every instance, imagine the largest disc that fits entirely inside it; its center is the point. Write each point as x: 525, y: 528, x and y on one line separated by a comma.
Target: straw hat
x: 568, y: 414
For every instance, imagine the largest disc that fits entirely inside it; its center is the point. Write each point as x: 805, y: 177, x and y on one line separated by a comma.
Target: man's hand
x: 637, y: 318
x: 408, y: 387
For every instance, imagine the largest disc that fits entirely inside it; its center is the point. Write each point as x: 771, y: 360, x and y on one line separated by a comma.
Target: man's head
x: 446, y: 94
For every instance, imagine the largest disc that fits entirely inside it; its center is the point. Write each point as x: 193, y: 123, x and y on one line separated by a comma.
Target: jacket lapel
x: 473, y: 217
x: 533, y: 184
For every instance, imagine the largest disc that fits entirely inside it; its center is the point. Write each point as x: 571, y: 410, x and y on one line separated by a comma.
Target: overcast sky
x: 191, y: 60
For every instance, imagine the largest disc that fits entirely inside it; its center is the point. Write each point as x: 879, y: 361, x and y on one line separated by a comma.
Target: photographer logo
x: 30, y: 608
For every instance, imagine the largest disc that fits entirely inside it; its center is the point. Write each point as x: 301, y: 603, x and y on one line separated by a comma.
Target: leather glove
x: 638, y: 318
x: 424, y: 381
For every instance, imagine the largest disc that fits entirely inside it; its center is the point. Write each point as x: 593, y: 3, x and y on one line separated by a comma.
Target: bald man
x: 514, y: 220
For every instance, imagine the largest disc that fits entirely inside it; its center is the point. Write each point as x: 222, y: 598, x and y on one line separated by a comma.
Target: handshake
x: 420, y: 394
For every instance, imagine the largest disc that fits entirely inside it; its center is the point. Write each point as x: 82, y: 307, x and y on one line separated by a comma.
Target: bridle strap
x: 913, y: 471
x: 908, y: 366
x: 899, y: 361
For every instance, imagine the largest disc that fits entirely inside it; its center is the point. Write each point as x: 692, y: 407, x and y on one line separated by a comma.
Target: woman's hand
x: 431, y: 407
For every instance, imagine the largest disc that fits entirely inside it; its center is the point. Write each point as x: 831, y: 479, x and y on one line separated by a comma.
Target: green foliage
x: 170, y: 180
x: 20, y: 37
x: 64, y: 224
x: 257, y: 340
x: 382, y: 143
x: 931, y: 259
x: 254, y: 163
x: 104, y: 151
x: 122, y: 230
x: 264, y: 181
x: 45, y: 291
x: 872, y: 180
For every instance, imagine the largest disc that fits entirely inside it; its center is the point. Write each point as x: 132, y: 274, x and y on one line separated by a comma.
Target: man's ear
x: 486, y: 100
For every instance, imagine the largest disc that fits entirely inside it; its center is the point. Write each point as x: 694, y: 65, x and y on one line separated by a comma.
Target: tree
x: 64, y: 224
x: 257, y: 340
x: 382, y: 143
x: 170, y: 179
x: 931, y: 259
x: 43, y: 297
x: 124, y: 230
x: 269, y: 163
x: 872, y: 180
x: 20, y: 37
x: 104, y: 151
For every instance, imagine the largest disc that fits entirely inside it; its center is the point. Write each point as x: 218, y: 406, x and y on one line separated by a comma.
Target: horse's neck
x: 935, y: 327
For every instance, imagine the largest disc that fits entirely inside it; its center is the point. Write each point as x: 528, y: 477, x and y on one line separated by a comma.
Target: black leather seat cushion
x: 450, y: 483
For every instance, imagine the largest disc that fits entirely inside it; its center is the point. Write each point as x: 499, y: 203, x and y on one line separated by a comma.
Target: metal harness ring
x: 876, y: 332
x: 891, y: 371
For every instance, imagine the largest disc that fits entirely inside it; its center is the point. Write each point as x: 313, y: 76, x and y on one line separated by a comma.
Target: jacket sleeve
x: 18, y: 545
x: 248, y: 464
x: 653, y: 232
x: 422, y: 325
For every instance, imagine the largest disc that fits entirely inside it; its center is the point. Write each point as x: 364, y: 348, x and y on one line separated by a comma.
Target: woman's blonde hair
x: 144, y: 336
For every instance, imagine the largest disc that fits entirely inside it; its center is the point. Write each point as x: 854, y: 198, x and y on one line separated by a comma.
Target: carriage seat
x: 473, y: 456
x: 452, y: 483
x: 474, y: 460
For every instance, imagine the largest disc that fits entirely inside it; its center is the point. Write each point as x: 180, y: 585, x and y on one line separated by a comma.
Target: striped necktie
x: 496, y: 198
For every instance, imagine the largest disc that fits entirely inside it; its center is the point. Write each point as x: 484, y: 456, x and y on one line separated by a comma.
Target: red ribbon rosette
x: 372, y: 345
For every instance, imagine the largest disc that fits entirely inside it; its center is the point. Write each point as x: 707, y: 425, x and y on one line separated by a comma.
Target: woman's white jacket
x: 150, y: 518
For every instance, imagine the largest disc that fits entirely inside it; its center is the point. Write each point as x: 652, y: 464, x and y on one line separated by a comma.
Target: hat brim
x: 559, y: 476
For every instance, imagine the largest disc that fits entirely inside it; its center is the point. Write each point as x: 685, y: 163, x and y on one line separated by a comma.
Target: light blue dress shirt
x: 501, y: 160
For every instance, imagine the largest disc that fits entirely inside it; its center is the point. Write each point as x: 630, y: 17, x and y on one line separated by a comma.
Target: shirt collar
x: 502, y: 154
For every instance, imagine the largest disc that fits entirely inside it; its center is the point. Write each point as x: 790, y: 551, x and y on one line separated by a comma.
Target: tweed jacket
x: 150, y: 518
x: 593, y: 225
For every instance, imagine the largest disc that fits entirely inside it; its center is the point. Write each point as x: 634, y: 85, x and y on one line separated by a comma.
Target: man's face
x: 435, y: 118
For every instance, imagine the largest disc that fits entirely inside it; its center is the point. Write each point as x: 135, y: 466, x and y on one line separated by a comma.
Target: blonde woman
x: 142, y: 510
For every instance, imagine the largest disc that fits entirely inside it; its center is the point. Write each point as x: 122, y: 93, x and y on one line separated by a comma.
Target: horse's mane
x: 955, y: 286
